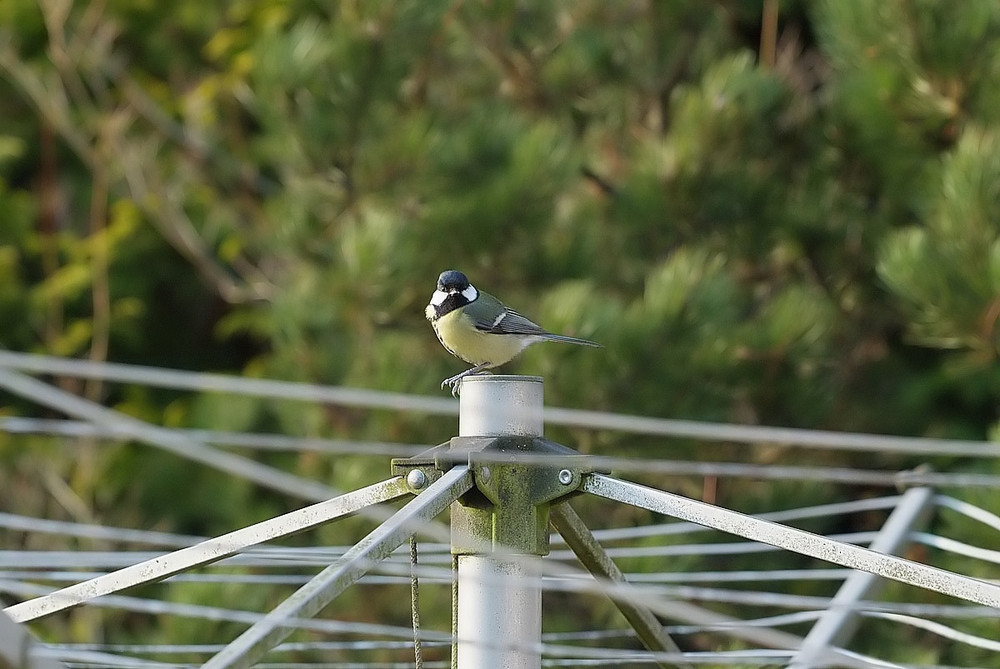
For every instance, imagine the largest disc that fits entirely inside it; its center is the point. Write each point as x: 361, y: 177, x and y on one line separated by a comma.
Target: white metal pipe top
x: 498, y: 405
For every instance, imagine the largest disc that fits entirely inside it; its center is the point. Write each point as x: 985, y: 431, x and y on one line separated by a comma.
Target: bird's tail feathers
x: 550, y: 336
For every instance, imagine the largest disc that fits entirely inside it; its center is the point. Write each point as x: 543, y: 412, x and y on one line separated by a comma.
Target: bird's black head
x: 452, y: 281
x: 453, y: 292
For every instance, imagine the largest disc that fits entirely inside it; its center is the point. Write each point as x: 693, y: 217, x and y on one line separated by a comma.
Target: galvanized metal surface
x: 499, y: 613
x: 591, y: 554
x: 500, y: 405
x: 798, y: 541
x: 499, y: 419
x: 210, y: 551
x: 20, y: 650
x: 665, y: 608
x: 512, y: 513
x: 321, y: 590
x: 840, y: 619
x: 498, y: 602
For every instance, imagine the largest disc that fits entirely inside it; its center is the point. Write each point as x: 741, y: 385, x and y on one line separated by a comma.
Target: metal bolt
x: 485, y: 474
x: 416, y: 479
x: 565, y: 476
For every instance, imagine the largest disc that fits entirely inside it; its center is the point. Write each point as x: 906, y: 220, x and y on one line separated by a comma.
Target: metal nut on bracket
x: 565, y: 476
x: 416, y: 479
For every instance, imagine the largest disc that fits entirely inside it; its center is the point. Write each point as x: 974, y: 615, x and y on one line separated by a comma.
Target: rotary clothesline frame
x: 448, y: 488
x: 472, y: 463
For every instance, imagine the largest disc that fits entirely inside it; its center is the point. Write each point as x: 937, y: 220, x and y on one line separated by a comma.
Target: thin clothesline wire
x: 256, y: 441
x: 550, y: 650
x: 572, y: 657
x: 689, y: 591
x: 215, y: 613
x: 798, y: 600
x: 440, y: 576
x: 647, y: 596
x: 319, y: 556
x: 220, y: 614
x: 938, y: 629
x: 432, y: 576
x: 969, y: 510
x: 580, y: 635
x: 376, y: 399
x: 662, y: 597
x: 55, y: 398
x: 955, y: 547
x: 826, y: 474
x: 71, y: 650
x: 30, y: 388
x: 674, y: 528
x: 284, y: 647
x: 772, y: 658
x: 800, y: 472
x: 126, y: 535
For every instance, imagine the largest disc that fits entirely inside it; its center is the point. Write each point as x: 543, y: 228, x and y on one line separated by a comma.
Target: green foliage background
x: 798, y: 230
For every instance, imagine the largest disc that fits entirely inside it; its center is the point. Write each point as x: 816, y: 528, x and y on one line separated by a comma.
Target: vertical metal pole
x: 501, y: 405
x: 499, y: 614
x: 499, y: 602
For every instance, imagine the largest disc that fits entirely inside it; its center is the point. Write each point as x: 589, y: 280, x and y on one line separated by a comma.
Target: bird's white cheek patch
x: 470, y: 293
x: 438, y: 297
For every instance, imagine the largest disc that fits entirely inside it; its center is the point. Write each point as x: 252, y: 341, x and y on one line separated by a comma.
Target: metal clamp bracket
x: 516, y: 480
x: 421, y: 470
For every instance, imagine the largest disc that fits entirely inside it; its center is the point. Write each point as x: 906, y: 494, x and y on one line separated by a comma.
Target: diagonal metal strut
x: 308, y: 600
x: 209, y: 551
x: 587, y: 549
x: 838, y: 623
x: 798, y: 541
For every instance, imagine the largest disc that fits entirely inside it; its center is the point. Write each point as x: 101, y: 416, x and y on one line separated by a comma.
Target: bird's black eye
x: 452, y: 279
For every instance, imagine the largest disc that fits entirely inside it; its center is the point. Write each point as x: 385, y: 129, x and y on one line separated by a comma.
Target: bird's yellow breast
x: 459, y: 335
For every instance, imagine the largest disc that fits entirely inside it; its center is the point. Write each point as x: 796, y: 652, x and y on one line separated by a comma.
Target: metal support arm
x: 308, y: 600
x: 582, y: 542
x: 840, y: 620
x: 798, y: 541
x: 209, y: 551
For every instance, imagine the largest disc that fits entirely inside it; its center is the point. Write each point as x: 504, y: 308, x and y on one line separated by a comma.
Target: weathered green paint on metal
x: 516, y: 479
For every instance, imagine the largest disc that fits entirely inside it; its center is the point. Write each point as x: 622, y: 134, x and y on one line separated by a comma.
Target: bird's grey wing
x: 511, y: 322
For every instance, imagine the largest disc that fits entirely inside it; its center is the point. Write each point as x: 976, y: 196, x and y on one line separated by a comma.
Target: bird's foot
x: 455, y: 382
x: 452, y: 383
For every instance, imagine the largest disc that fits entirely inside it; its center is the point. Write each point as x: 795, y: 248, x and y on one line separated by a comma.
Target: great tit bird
x: 479, y: 328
